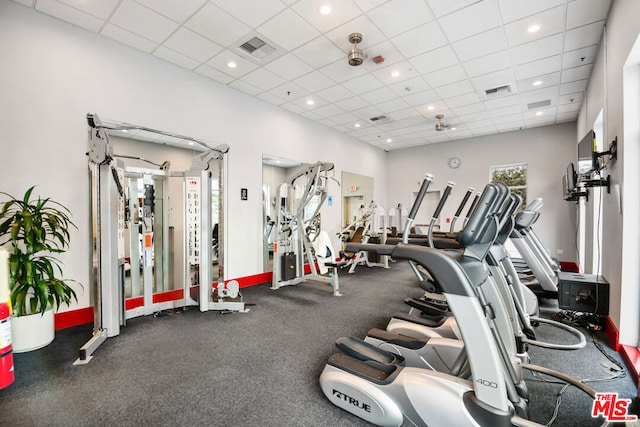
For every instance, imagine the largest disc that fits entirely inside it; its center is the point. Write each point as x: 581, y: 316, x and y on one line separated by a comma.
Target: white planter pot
x: 32, y: 332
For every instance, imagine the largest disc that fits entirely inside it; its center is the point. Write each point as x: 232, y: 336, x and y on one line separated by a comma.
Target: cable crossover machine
x: 130, y: 235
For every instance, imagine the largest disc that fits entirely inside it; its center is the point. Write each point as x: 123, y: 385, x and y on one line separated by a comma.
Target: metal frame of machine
x: 295, y: 232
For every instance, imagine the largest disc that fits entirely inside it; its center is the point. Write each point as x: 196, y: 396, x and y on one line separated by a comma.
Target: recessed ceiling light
x: 325, y: 10
x: 533, y: 28
x: 231, y: 64
x: 310, y: 102
x: 431, y: 108
x: 190, y: 142
x: 389, y: 140
x: 537, y: 83
x: 395, y: 73
x: 453, y: 128
x: 539, y: 113
x: 357, y: 125
x: 125, y: 130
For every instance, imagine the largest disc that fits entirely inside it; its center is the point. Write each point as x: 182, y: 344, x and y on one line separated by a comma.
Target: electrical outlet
x: 560, y: 251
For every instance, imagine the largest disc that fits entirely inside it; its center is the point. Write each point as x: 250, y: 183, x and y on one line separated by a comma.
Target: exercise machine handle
x: 472, y: 207
x: 465, y: 199
x: 421, y: 193
x: 424, y: 186
x: 436, y: 214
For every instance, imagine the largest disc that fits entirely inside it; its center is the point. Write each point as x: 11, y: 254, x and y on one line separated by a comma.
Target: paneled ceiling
x: 477, y: 62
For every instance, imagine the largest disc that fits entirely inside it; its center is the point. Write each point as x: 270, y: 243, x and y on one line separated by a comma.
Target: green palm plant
x: 34, y: 229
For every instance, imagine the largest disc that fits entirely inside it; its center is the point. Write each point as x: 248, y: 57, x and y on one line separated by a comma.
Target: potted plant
x: 33, y: 229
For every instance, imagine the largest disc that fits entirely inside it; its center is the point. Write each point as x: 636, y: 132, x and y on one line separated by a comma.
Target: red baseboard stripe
x: 81, y: 316
x: 630, y: 354
x: 612, y: 333
x: 67, y: 319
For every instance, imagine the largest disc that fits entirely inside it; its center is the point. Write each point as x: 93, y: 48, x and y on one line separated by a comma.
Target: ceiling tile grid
x: 480, y: 63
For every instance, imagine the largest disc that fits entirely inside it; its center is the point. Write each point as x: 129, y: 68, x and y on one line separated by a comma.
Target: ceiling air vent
x: 498, y: 91
x: 256, y: 48
x: 380, y: 119
x: 539, y: 104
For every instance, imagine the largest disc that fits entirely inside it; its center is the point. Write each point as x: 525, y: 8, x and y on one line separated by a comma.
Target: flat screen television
x: 569, y: 182
x: 587, y: 160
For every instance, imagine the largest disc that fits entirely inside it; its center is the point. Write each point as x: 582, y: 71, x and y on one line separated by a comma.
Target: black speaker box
x: 586, y: 293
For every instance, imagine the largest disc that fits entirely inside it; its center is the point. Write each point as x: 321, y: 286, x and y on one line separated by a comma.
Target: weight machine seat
x: 356, y: 238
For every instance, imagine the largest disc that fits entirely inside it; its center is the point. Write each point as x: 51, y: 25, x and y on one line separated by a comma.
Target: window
x: 514, y: 176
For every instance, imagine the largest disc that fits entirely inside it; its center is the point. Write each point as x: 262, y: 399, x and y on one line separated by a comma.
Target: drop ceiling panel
x: 539, y: 49
x: 480, y: 45
x: 583, y: 36
x: 341, y: 71
x: 100, y: 9
x: 176, y: 58
x: 513, y: 10
x: 69, y: 14
x: 420, y: 40
x: 442, y: 54
x: 435, y: 60
x: 396, y: 17
x: 454, y: 89
x: 488, y: 64
x: 335, y: 93
x: 308, y: 9
x: 397, y: 73
x: 128, y: 38
x: 371, y: 35
x: 552, y: 23
x: 289, y: 67
x: 378, y: 96
x: 320, y: 52
x: 352, y: 103
x: 583, y: 12
x: 263, y: 79
x: 446, y: 76
x: 362, y: 84
x: 314, y: 81
x: 192, y: 45
x: 217, y: 25
x: 576, y: 73
x: 415, y: 85
x: 245, y: 87
x: 290, y: 92
x: 214, y: 74
x: 178, y: 11
x: 142, y: 21
x: 578, y: 57
x: 540, y: 67
x: 259, y: 12
x: 288, y: 30
x: 474, y: 19
x: 444, y: 7
x: 220, y: 62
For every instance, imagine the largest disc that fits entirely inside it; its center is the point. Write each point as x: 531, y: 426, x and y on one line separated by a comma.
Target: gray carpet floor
x: 259, y: 368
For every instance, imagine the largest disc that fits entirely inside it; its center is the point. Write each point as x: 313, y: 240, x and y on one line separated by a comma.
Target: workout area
x: 320, y: 213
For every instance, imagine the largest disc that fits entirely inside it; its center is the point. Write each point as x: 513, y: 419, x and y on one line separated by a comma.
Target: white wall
x: 605, y: 90
x: 546, y: 150
x: 54, y: 73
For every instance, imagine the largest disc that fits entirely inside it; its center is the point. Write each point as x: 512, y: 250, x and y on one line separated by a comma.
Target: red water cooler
x: 6, y: 350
